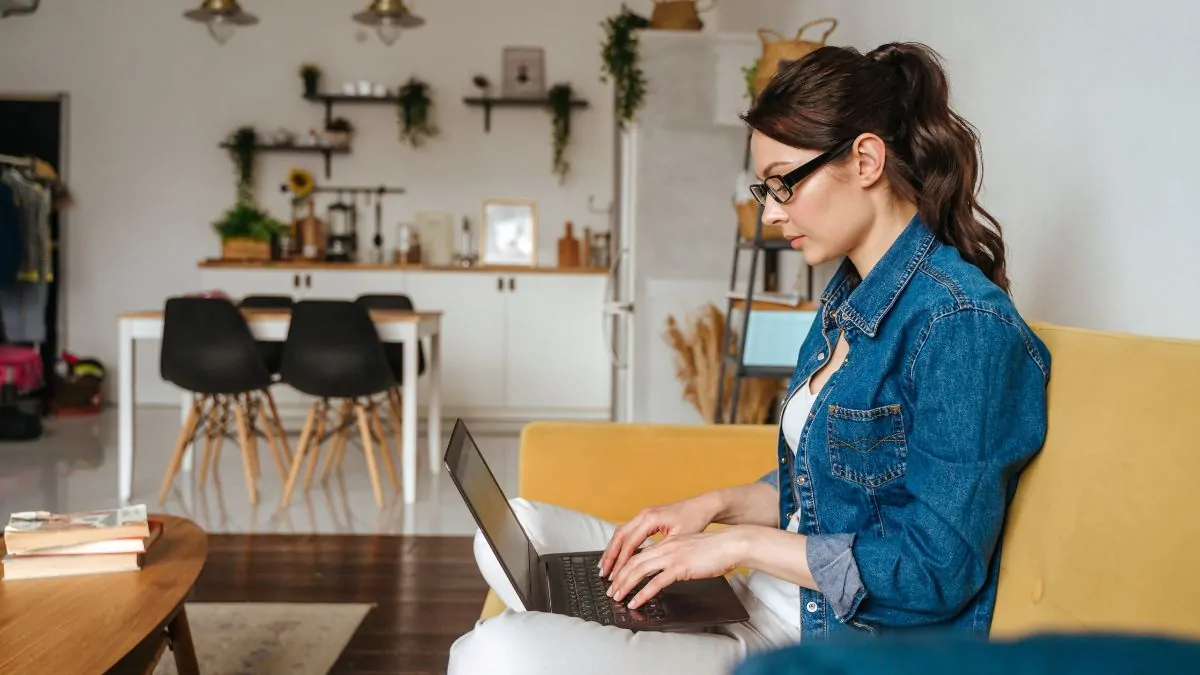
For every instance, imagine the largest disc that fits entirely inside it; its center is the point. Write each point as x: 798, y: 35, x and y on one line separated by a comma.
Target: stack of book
x: 41, y: 544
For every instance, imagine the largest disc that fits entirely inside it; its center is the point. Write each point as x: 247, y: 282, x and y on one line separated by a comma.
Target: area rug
x: 268, y: 638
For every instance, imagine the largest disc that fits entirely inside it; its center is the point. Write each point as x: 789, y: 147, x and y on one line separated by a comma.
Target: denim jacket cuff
x: 771, y: 478
x: 831, y: 562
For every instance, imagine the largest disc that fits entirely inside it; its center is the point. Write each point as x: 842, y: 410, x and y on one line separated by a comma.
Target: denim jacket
x: 911, y: 453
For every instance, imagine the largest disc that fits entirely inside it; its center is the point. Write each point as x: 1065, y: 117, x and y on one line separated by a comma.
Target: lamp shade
x: 394, y: 12
x: 225, y: 11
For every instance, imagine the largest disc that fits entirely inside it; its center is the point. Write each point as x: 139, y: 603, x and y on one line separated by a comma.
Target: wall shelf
x: 489, y: 102
x: 327, y: 150
x: 330, y: 99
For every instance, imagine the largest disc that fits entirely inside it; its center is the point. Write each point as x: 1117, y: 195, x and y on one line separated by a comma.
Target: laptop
x: 570, y: 583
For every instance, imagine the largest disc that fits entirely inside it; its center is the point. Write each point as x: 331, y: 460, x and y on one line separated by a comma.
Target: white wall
x: 152, y: 96
x: 1087, y: 113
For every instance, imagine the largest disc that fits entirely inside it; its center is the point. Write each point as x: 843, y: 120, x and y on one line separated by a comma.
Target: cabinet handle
x: 295, y: 281
x: 512, y: 283
x: 500, y: 284
x: 308, y: 281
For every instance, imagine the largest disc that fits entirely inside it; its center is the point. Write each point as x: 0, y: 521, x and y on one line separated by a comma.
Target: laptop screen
x: 490, y: 508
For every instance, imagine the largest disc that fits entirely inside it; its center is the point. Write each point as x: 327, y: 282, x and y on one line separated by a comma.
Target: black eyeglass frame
x: 790, y: 179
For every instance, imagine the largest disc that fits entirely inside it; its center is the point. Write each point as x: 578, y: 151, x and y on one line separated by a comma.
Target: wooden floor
x: 427, y: 590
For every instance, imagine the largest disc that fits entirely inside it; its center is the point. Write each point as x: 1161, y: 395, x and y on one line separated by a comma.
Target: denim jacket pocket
x: 867, y: 447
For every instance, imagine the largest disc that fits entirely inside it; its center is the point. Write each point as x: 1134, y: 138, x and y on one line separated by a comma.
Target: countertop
x: 391, y: 267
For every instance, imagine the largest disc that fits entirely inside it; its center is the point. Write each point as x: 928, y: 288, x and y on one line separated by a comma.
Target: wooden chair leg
x: 322, y: 421
x: 240, y: 413
x: 298, y: 459
x: 185, y: 436
x: 343, y: 423
x: 269, y: 430
x: 377, y: 425
x: 246, y: 404
x: 210, y: 433
x: 364, y: 429
x: 280, y: 432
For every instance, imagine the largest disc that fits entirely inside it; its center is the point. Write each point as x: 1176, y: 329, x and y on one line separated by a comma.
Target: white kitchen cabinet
x: 473, y: 319
x: 238, y: 282
x: 556, y: 357
x: 515, y: 346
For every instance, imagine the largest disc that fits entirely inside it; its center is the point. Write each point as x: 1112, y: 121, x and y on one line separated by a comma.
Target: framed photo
x: 508, y: 234
x: 524, y: 72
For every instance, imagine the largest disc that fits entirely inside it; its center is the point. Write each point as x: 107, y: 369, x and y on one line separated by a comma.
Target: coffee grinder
x: 342, y: 229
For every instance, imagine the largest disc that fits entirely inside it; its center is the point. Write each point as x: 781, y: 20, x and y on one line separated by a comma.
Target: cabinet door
x: 335, y: 284
x: 556, y: 356
x: 238, y: 283
x: 473, y: 319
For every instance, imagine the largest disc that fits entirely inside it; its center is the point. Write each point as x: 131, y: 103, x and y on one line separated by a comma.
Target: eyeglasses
x: 780, y: 187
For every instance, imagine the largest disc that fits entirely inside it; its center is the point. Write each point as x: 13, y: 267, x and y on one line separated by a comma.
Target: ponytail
x: 898, y: 91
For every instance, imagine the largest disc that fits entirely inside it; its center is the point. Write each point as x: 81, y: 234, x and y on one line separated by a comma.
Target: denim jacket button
x: 799, y: 480
x: 821, y: 356
x: 812, y: 607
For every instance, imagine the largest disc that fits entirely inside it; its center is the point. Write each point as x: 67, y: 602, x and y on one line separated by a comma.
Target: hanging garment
x: 33, y: 204
x: 23, y: 312
x: 10, y: 237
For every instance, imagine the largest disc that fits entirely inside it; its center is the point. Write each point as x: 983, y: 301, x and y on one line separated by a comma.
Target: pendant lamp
x: 17, y: 7
x: 388, y: 17
x: 221, y: 17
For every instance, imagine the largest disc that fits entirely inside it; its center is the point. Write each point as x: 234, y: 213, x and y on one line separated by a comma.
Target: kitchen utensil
x: 342, y: 231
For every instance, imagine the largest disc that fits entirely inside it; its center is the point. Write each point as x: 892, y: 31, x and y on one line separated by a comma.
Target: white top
x: 783, y: 597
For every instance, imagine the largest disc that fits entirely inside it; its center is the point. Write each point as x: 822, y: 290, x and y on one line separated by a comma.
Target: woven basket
x: 678, y: 15
x: 779, y: 50
x: 747, y: 216
x: 242, y: 248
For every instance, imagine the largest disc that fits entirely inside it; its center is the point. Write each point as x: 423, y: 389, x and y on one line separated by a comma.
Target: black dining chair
x: 209, y: 350
x: 333, y: 352
x: 270, y: 350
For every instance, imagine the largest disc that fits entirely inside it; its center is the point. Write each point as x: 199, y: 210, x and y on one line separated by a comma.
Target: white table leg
x: 433, y: 426
x: 409, y: 443
x: 185, y: 406
x: 125, y: 412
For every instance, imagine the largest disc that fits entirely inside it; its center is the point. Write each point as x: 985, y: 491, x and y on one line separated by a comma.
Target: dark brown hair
x: 899, y: 92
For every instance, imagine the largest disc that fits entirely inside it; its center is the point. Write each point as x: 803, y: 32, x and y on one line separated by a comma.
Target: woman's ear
x: 871, y: 154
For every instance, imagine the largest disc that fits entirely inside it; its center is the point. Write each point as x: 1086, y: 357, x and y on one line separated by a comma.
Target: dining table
x: 394, y: 326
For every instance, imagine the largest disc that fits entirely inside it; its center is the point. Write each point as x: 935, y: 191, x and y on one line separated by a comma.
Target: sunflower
x: 300, y: 183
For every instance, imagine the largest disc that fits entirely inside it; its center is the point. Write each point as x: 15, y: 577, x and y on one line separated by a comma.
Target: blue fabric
x: 1042, y: 655
x: 10, y: 237
x: 914, y: 445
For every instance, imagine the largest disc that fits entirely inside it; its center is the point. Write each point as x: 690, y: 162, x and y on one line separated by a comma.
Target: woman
x: 918, y: 396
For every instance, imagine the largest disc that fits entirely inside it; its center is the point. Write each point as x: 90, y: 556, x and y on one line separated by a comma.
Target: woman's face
x: 829, y: 213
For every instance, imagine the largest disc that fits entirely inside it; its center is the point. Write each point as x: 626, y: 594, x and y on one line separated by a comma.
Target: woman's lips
x: 795, y: 240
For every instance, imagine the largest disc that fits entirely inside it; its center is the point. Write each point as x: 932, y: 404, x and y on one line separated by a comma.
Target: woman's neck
x: 884, y: 232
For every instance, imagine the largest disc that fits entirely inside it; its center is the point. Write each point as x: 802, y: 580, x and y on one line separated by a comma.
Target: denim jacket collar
x: 866, y: 304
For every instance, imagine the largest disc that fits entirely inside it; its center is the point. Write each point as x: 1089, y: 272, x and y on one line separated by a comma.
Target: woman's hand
x: 681, y: 518
x: 694, y: 556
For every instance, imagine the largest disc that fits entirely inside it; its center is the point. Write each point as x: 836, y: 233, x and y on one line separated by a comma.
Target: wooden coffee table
x: 100, y: 622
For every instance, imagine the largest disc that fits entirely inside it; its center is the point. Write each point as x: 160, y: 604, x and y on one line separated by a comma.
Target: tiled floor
x: 74, y: 467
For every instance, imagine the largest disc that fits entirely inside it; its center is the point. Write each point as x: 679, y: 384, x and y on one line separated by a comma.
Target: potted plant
x: 415, y: 105
x: 559, y: 102
x: 337, y: 132
x: 311, y: 75
x: 243, y: 145
x: 246, y: 232
x: 621, y: 54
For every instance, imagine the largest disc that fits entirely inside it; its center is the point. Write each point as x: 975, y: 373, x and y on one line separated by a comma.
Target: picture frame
x: 524, y: 71
x: 508, y: 232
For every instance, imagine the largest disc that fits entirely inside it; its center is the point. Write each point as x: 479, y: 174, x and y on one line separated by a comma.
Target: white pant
x: 532, y: 643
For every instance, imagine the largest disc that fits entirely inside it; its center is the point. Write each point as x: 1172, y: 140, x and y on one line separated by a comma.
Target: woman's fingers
x: 640, y: 566
x: 631, y: 542
x: 666, y: 577
x: 615, y: 545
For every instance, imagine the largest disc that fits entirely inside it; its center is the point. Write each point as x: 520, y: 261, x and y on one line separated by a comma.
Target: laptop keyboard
x: 587, y: 595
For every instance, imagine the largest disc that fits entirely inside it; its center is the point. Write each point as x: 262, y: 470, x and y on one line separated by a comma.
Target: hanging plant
x: 415, y: 107
x: 750, y: 72
x: 560, y: 97
x: 620, y: 53
x: 242, y: 145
